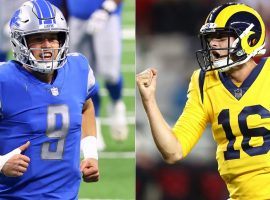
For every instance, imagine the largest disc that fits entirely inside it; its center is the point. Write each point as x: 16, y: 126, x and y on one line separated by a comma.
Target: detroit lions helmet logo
x: 15, y: 19
x: 18, y: 18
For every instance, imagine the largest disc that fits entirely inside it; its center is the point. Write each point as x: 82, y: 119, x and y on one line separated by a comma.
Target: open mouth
x: 46, y: 56
x: 215, y: 55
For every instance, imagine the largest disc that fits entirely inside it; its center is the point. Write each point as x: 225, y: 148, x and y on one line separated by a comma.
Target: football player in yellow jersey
x: 231, y: 92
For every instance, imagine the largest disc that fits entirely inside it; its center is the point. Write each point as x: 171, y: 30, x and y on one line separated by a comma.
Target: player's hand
x: 89, y: 169
x: 146, y: 82
x: 97, y: 21
x: 17, y: 164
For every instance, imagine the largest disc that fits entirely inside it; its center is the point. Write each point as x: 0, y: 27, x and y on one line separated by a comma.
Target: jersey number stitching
x: 248, y: 133
x: 54, y: 133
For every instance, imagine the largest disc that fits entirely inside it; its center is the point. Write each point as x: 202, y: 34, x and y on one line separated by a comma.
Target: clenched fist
x: 89, y: 169
x: 146, y: 82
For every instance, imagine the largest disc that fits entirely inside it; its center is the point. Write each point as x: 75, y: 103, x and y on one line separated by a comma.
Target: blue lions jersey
x: 83, y: 9
x: 49, y: 116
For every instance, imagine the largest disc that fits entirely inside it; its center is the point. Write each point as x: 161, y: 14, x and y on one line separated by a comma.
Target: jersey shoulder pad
x: 79, y: 59
x: 82, y: 64
x: 76, y: 56
x: 201, y: 81
x: 7, y: 70
x: 197, y: 82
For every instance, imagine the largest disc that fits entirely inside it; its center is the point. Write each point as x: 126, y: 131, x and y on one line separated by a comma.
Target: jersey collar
x: 238, y: 92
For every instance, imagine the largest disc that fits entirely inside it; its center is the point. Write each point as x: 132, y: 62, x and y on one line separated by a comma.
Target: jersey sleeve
x: 192, y: 122
x: 84, y: 74
x: 92, y: 86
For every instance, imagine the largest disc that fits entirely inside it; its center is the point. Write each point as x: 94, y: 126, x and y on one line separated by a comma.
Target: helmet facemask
x: 26, y: 57
x: 209, y: 58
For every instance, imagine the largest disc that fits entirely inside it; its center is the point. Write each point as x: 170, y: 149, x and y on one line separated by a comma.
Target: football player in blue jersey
x: 99, y: 22
x: 45, y: 109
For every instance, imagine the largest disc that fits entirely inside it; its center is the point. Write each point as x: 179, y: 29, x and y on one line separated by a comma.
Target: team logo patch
x: 16, y: 19
x: 54, y: 91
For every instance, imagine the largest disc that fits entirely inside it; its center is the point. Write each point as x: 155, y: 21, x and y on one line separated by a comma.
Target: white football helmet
x: 38, y: 16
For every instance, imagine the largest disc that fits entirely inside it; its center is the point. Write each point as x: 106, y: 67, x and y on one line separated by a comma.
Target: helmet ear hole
x: 61, y: 38
x: 252, y: 41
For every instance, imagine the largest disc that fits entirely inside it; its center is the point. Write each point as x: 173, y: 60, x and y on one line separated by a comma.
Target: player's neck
x: 238, y: 75
x: 46, y: 78
x: 43, y: 77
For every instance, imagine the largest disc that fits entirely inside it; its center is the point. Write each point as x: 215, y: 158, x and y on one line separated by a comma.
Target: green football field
x: 117, y: 161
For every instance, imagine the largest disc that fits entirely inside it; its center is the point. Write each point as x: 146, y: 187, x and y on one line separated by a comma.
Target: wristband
x: 89, y: 147
x: 6, y: 157
x: 109, y: 5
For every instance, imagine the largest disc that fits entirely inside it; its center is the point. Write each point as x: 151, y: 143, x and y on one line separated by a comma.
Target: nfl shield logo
x: 54, y: 91
x: 238, y: 93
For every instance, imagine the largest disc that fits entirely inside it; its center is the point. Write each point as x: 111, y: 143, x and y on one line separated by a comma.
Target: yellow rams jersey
x: 240, y: 119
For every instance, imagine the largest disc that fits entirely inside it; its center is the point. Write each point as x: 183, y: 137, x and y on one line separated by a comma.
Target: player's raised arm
x: 166, y: 142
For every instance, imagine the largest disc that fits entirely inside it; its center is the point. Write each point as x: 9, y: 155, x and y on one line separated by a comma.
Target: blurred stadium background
x: 166, y: 38
x: 117, y: 161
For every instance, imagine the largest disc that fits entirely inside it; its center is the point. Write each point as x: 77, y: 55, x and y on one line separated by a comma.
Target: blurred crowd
x: 167, y: 40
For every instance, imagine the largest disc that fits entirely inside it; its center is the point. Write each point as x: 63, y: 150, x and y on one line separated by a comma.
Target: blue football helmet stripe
x: 44, y: 11
x: 52, y: 11
x: 38, y: 11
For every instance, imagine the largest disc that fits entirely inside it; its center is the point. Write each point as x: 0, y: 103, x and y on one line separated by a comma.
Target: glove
x: 97, y: 21
x: 100, y: 17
